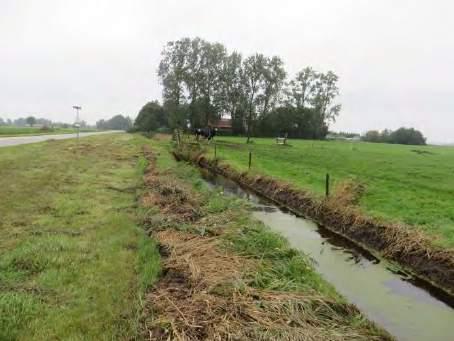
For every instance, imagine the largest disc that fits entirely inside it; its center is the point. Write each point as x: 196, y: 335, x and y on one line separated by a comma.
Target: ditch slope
x: 227, y: 277
x: 399, y: 243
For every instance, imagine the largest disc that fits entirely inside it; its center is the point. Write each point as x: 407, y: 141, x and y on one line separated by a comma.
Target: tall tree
x: 273, y: 80
x: 151, y: 117
x: 31, y: 120
x: 192, y: 77
x: 213, y: 59
x: 253, y: 79
x: 263, y: 79
x: 191, y: 72
x: 233, y: 97
x: 172, y: 71
x: 326, y: 91
x: 313, y: 94
x: 301, y: 88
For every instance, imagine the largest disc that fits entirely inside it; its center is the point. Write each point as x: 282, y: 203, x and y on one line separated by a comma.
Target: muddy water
x: 389, y: 298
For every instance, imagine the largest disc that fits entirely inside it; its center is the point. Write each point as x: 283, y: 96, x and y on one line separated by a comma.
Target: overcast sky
x: 395, y: 58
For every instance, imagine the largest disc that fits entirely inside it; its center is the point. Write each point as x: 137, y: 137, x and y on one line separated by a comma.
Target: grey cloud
x: 394, y: 57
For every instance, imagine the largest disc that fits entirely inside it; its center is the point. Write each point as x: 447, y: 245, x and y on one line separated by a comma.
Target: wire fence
x: 249, y: 156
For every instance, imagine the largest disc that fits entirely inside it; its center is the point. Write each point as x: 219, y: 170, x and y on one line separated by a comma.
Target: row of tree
x: 202, y: 81
x: 41, y: 122
x: 25, y: 121
x: 118, y: 122
x: 402, y: 135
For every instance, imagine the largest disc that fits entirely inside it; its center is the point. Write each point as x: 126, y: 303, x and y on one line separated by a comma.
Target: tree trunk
x: 178, y: 138
x: 207, y: 110
x: 249, y: 121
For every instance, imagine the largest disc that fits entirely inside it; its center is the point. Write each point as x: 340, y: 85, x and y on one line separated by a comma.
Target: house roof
x: 222, y: 124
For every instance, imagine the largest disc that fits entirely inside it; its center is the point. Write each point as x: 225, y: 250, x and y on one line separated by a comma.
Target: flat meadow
x: 82, y: 228
x: 403, y: 184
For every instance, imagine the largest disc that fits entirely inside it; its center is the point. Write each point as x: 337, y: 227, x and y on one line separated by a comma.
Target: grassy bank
x: 24, y: 131
x: 76, y: 261
x: 406, y: 184
x: 227, y: 276
x: 73, y: 262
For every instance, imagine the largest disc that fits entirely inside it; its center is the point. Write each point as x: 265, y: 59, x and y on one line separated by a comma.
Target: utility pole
x: 77, y: 108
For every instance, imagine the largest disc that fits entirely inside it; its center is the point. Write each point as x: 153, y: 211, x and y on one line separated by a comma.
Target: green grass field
x: 19, y: 131
x: 247, y: 236
x: 74, y: 264
x: 279, y: 268
x: 410, y: 184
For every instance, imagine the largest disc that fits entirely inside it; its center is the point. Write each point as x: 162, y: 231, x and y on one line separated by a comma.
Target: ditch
x: 404, y: 306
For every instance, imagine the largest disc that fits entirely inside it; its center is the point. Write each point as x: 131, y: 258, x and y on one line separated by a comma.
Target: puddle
x: 392, y: 299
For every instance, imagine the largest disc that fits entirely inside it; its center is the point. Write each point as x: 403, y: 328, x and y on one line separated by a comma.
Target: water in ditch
x: 390, y: 298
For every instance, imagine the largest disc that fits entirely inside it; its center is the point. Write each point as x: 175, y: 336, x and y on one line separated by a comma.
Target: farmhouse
x: 224, y: 125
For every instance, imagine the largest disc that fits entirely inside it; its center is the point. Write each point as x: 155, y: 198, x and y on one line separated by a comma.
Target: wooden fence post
x: 215, y: 152
x: 250, y: 159
x: 327, y: 185
x: 178, y: 138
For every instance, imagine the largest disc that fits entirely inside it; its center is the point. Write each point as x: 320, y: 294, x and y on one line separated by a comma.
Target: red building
x: 223, y: 125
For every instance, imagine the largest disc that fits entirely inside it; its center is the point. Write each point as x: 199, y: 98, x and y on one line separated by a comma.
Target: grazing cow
x: 207, y: 133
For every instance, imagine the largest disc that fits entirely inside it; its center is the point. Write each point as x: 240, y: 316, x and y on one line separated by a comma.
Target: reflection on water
x: 387, y: 297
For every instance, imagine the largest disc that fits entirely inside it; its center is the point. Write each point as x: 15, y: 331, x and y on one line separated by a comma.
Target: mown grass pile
x: 228, y: 277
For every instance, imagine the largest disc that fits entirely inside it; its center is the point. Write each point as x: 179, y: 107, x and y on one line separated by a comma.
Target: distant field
x: 410, y: 184
x: 13, y: 131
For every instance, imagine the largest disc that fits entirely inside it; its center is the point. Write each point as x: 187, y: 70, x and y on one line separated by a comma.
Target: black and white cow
x: 207, y: 133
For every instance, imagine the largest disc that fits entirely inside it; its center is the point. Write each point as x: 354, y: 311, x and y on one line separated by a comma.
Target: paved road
x: 14, y: 141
